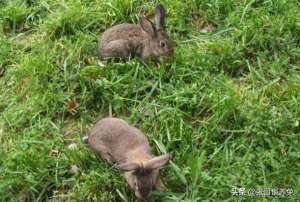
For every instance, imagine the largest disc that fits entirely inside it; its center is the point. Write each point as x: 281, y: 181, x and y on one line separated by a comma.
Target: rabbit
x: 118, y: 142
x: 145, y: 41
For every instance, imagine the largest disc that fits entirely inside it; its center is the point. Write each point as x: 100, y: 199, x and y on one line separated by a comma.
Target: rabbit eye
x: 162, y: 44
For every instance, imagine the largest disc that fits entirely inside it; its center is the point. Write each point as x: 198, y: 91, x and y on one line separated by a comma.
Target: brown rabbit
x: 118, y: 142
x: 145, y: 40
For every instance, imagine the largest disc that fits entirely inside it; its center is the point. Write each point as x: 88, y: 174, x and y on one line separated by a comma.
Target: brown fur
x: 118, y: 142
x: 145, y: 40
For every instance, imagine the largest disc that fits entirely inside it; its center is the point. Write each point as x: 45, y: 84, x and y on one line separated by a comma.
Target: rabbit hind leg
x: 103, y: 151
x: 120, y: 48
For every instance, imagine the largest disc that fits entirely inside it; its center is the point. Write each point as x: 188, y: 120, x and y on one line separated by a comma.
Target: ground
x: 226, y: 105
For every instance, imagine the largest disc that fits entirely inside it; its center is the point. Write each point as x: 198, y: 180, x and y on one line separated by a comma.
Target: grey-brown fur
x: 145, y: 40
x: 118, y: 142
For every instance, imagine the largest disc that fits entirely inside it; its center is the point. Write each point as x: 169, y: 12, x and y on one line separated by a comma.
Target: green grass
x: 227, y: 106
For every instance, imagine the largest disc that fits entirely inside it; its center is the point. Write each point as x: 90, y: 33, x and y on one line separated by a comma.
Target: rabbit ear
x: 160, y: 15
x: 129, y: 166
x: 147, y: 26
x: 157, y: 162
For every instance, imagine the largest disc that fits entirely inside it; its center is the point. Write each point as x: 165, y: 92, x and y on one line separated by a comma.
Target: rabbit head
x: 143, y: 177
x: 159, y: 44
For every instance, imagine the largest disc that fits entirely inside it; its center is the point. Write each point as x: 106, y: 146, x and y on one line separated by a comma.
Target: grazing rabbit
x: 145, y: 40
x: 116, y: 141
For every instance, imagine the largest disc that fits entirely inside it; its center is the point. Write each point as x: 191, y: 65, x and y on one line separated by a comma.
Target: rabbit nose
x: 144, y: 199
x: 174, y: 44
x: 171, y: 51
x: 142, y: 195
x: 139, y: 196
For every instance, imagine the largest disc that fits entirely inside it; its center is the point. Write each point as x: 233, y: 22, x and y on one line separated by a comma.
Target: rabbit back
x: 120, y: 41
x: 117, y: 138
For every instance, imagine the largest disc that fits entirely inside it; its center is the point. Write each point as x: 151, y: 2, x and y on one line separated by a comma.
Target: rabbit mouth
x: 139, y: 196
x: 165, y: 58
x: 168, y: 53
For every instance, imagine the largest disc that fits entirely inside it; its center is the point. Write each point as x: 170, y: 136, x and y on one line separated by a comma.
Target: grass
x: 227, y: 106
